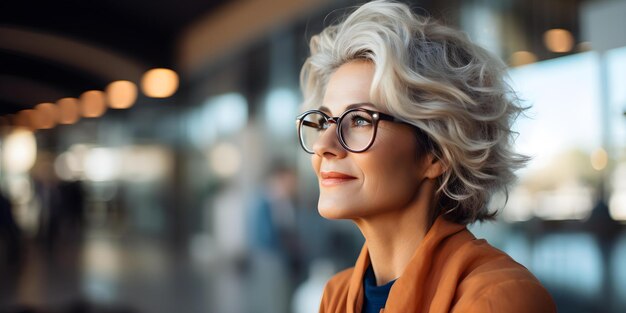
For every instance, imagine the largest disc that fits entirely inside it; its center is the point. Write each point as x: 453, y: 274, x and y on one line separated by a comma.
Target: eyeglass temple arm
x: 309, y: 123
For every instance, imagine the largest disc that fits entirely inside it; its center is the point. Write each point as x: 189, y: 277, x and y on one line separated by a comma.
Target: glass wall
x: 204, y: 201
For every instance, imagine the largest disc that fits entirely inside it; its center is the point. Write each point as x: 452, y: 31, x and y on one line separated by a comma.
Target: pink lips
x: 329, y: 179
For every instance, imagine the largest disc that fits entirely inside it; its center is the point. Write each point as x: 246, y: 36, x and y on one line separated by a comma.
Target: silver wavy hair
x: 435, y: 78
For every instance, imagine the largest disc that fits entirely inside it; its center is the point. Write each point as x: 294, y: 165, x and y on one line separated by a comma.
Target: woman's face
x: 384, y: 178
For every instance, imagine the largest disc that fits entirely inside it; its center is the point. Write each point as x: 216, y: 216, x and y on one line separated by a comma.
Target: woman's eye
x: 360, y: 121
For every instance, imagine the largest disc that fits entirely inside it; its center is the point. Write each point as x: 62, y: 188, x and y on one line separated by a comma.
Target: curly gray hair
x: 435, y: 78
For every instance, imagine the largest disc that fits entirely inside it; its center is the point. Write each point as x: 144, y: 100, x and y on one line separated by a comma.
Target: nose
x: 328, y: 145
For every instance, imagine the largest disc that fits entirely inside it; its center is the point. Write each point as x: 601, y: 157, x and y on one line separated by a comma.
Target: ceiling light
x: 159, y: 83
x: 48, y: 115
x: 121, y: 94
x: 558, y: 40
x: 68, y: 111
x: 92, y: 103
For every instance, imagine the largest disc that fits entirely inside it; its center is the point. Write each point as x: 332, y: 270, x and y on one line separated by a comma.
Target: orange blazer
x: 451, y: 271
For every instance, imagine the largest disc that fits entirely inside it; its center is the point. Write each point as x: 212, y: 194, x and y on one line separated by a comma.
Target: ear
x: 434, y: 167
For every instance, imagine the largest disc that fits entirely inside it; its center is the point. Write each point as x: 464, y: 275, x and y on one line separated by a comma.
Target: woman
x: 410, y: 135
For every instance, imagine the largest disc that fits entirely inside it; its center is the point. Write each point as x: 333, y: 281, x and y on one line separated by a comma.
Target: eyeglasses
x: 356, y: 128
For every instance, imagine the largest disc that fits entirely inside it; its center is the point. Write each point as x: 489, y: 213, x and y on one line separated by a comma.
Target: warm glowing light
x: 19, y: 151
x: 558, y: 40
x: 599, y: 159
x: 121, y: 94
x: 159, y: 83
x: 69, y: 111
x: 26, y: 119
x: 92, y: 103
x: 520, y: 58
x: 225, y: 160
x: 37, y: 119
x: 48, y: 115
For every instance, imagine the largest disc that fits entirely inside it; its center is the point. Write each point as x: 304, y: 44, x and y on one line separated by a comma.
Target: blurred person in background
x: 275, y: 262
x: 409, y: 131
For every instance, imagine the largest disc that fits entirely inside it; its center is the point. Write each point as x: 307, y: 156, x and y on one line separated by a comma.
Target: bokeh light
x: 520, y: 58
x: 48, y: 114
x: 69, y: 111
x: 225, y: 159
x: 93, y: 103
x: 121, y: 94
x: 599, y: 159
x: 159, y: 83
x: 26, y: 119
x: 558, y: 40
x: 102, y: 164
x: 20, y: 151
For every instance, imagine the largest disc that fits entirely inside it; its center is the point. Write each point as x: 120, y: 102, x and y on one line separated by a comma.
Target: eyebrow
x: 351, y: 106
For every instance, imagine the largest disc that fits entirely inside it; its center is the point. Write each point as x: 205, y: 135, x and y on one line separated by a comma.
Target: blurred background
x: 149, y: 161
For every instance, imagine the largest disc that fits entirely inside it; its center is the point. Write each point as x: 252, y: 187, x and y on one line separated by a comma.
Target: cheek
x: 393, y: 178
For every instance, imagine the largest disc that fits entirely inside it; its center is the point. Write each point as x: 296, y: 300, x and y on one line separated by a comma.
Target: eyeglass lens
x: 356, y: 129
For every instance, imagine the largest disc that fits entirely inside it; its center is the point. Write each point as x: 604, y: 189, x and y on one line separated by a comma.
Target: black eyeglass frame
x: 376, y: 117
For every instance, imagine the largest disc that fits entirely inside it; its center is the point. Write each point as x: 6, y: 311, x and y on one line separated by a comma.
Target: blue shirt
x: 375, y: 296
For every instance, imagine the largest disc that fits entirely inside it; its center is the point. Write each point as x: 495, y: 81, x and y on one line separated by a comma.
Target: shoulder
x: 494, y: 282
x: 514, y: 296
x: 336, y: 291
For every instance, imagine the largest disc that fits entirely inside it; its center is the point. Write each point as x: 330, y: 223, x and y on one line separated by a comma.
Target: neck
x: 393, y: 237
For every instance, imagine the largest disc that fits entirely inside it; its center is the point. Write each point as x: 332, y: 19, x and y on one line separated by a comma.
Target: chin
x: 330, y: 214
x: 332, y: 211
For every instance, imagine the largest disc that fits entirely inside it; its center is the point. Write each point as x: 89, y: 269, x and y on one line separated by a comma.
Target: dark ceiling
x: 144, y: 31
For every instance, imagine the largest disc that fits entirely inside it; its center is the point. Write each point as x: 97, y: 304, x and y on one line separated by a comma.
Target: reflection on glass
x: 570, y: 262
x: 518, y: 247
x: 559, y: 182
x: 617, y: 98
x: 280, y: 108
x: 617, y: 202
x: 219, y: 116
x: 229, y: 113
x: 619, y: 270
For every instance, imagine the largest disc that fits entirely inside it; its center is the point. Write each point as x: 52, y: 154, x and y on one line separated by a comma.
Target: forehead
x: 350, y: 84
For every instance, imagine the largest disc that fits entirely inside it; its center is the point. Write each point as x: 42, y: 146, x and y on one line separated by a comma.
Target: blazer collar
x: 414, y: 276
